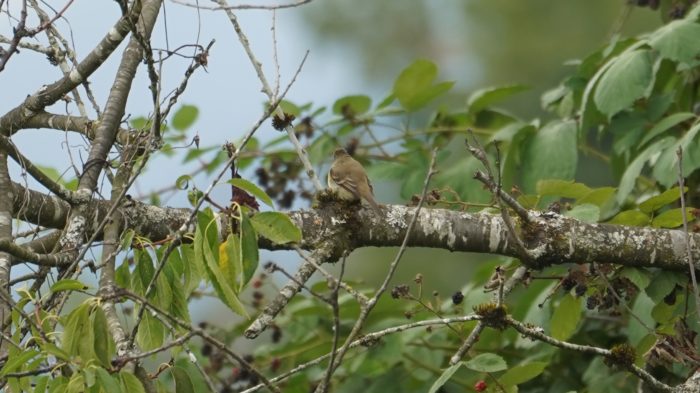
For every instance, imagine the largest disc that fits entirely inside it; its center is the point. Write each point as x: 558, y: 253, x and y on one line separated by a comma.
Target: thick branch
x: 552, y: 238
x: 47, y: 95
x: 79, y: 124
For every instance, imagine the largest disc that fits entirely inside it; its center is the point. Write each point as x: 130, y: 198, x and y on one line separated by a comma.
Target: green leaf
x: 15, y: 362
x: 76, y: 384
x: 484, y: 98
x: 126, y: 239
x: 249, y: 251
x: 585, y: 212
x: 666, y: 167
x: 562, y: 188
x: 657, y: 202
x: 551, y: 154
x: 444, y: 377
x: 103, y: 343
x: 185, y: 117
x: 75, y: 324
x: 566, y: 317
x: 183, y: 383
x: 677, y: 41
x: 183, y: 182
x: 151, y: 333
x: 252, y: 189
x: 40, y: 384
x: 662, y: 284
x: 230, y: 259
x: 624, y: 82
x: 672, y: 218
x: 204, y: 239
x: 665, y: 124
x: 107, y: 382
x: 522, y: 373
x: 631, y: 218
x: 163, y: 294
x: 599, y: 196
x: 68, y: 285
x: 639, y: 277
x: 276, y: 226
x: 486, y: 363
x: 130, y: 383
x: 352, y: 105
x: 143, y: 272
x: 638, y: 327
x: 634, y: 169
x: 414, y: 87
x: 321, y: 149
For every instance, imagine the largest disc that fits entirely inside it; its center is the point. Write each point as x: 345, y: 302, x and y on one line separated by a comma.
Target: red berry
x: 480, y: 386
x: 275, y: 364
x: 257, y: 283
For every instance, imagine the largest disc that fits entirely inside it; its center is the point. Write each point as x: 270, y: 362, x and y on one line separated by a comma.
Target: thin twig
x: 367, y: 340
x: 336, y: 325
x: 362, y: 299
x: 688, y: 245
x: 473, y: 337
x: 269, y: 92
x: 365, y: 310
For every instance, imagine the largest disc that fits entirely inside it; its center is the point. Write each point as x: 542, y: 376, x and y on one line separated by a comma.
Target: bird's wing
x: 345, y: 182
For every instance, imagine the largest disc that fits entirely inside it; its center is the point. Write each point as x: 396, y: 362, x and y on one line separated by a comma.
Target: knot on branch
x: 621, y: 356
x: 492, y: 315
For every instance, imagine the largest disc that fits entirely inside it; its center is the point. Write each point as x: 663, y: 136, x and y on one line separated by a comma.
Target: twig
x: 688, y: 245
x: 362, y: 299
x: 33, y: 170
x: 336, y: 325
x: 367, y: 340
x: 20, y: 32
x: 269, y: 92
x: 476, y: 332
x: 366, y: 309
x: 536, y: 333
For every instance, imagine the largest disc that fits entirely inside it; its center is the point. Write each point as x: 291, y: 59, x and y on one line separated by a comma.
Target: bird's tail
x: 374, y: 204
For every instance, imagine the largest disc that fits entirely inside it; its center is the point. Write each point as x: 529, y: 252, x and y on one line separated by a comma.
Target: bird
x: 349, y: 180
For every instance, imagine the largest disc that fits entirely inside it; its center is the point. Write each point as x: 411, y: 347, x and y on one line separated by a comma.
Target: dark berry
x: 457, y: 298
x: 568, y: 283
x: 580, y: 289
x: 400, y: 291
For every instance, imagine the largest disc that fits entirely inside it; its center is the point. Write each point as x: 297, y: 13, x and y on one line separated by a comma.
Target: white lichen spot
x: 336, y: 221
x: 652, y: 257
x: 678, y: 244
x: 571, y: 244
x: 114, y: 35
x: 436, y: 223
x: 395, y: 218
x: 538, y: 251
x: 494, y: 234
x: 75, y: 76
x: 5, y: 219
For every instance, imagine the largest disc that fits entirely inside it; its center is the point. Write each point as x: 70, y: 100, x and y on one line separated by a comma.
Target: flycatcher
x: 349, y: 180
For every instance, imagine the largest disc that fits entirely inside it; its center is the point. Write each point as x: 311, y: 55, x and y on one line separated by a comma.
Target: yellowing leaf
x: 566, y: 317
